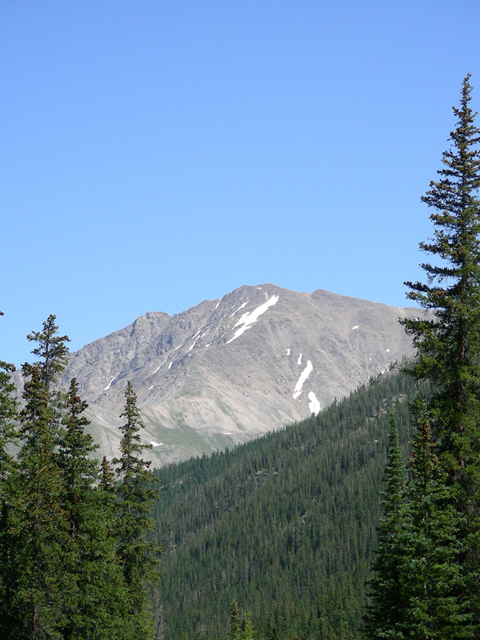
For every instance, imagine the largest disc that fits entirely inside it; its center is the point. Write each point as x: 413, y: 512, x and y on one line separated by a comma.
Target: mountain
x: 229, y: 370
x: 285, y: 524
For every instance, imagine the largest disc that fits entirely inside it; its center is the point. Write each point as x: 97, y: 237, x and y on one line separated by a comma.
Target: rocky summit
x: 230, y: 370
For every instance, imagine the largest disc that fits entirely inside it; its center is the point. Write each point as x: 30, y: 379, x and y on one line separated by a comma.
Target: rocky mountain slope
x: 229, y: 370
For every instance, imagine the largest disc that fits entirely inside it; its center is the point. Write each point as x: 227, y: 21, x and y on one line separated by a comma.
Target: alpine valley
x: 227, y: 371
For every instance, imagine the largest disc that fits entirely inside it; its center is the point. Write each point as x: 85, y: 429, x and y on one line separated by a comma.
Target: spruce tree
x: 388, y: 599
x: 39, y: 560
x: 100, y: 608
x: 52, y: 352
x: 107, y: 477
x: 272, y: 631
x: 8, y: 413
x: 80, y: 470
x: 234, y: 621
x: 448, y: 338
x: 8, y: 433
x: 246, y: 631
x: 433, y: 574
x: 137, y: 554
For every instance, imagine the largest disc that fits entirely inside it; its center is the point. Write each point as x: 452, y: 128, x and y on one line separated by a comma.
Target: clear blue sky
x: 158, y: 153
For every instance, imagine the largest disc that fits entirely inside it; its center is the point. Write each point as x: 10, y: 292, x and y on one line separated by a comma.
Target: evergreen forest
x: 74, y: 559
x: 285, y: 525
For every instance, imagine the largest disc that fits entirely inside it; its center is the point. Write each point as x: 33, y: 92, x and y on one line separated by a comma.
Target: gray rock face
x: 229, y: 370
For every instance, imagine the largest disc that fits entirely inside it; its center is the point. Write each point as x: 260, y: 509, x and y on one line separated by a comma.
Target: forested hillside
x: 285, y: 525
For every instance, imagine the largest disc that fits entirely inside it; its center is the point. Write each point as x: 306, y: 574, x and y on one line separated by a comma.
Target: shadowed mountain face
x: 229, y: 370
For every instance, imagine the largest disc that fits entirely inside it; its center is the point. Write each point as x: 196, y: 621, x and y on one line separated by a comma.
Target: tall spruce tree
x: 36, y: 551
x: 246, y: 631
x: 234, y: 621
x: 387, y: 599
x: 137, y: 554
x: 99, y: 610
x: 448, y: 339
x: 38, y: 566
x: 8, y: 413
x: 51, y: 352
x: 8, y: 433
x: 433, y: 574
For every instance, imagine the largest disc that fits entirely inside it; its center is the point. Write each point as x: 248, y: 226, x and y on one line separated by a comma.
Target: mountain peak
x: 228, y: 370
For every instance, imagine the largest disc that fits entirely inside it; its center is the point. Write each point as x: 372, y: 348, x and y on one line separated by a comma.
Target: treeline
x: 74, y: 561
x: 284, y: 525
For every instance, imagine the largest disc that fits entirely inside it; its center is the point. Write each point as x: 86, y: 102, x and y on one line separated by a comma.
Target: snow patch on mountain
x: 240, y: 307
x: 250, y: 317
x: 314, y: 404
x: 194, y: 342
x: 109, y: 384
x: 297, y: 392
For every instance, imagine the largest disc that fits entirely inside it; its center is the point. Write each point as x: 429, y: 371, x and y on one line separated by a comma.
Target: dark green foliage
x: 60, y: 575
x: 37, y: 564
x: 52, y: 358
x: 100, y: 606
x: 246, y: 628
x: 38, y: 567
x: 80, y: 472
x: 284, y: 525
x: 52, y: 352
x: 8, y: 432
x: 387, y: 606
x: 8, y: 413
x: 432, y: 576
x: 234, y: 621
x: 240, y: 630
x: 137, y: 555
x: 448, y: 343
x: 107, y: 477
x: 272, y: 632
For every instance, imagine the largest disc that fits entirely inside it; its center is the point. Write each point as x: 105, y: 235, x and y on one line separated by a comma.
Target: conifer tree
x: 107, y: 476
x: 52, y: 352
x: 246, y: 630
x: 388, y: 599
x: 234, y: 621
x: 80, y: 471
x: 272, y: 631
x: 36, y: 553
x: 8, y: 413
x: 39, y: 563
x: 100, y: 607
x: 433, y: 572
x: 448, y: 340
x: 8, y: 432
x: 137, y: 555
